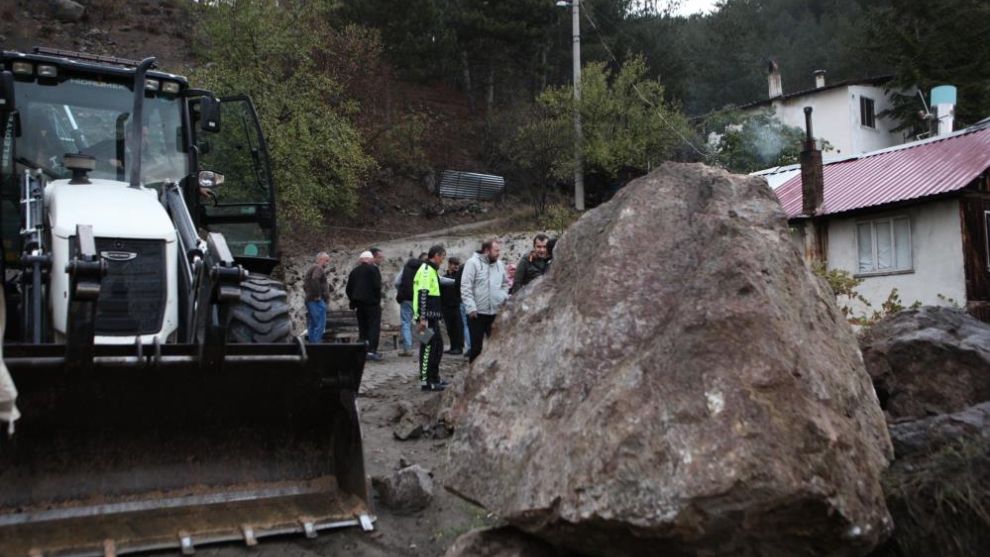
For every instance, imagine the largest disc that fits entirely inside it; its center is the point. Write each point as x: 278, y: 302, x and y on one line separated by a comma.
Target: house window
x: 867, y: 113
x: 884, y: 245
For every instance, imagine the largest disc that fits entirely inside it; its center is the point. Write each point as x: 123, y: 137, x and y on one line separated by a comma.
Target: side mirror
x: 209, y: 114
x: 209, y: 180
x: 7, y: 101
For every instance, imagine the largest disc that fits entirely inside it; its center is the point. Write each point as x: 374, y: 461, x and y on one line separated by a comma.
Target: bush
x: 270, y: 51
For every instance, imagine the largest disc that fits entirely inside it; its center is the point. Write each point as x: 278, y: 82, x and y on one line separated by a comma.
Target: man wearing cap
x: 364, y: 292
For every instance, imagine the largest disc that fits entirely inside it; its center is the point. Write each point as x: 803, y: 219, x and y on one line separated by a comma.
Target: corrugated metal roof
x: 470, y: 185
x: 910, y: 171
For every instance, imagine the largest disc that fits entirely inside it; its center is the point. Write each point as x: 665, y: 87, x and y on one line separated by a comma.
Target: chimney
x: 819, y: 79
x: 944, y: 101
x: 812, y: 175
x: 773, y: 80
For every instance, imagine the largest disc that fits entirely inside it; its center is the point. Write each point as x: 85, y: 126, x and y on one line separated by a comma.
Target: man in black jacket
x: 533, y: 265
x: 403, y: 295
x: 450, y: 299
x: 364, y: 292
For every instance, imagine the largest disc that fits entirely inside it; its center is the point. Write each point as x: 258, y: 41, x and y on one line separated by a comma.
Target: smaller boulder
x: 504, y: 541
x: 408, y: 428
x: 68, y: 11
x: 931, y: 434
x: 407, y: 490
x: 928, y: 361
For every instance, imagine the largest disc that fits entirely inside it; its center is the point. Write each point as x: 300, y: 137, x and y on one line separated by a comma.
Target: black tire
x: 262, y: 315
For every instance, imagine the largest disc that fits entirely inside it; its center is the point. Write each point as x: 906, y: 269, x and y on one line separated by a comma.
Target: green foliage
x: 843, y: 285
x: 558, y: 218
x: 401, y: 146
x: 269, y: 50
x: 625, y: 120
x: 934, y: 43
x: 753, y: 141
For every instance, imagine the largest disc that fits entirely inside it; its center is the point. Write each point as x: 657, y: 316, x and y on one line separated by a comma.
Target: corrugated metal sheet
x: 910, y: 171
x: 469, y: 185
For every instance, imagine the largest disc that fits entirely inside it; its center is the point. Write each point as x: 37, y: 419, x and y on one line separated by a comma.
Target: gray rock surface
x: 67, y: 10
x: 504, y: 541
x: 407, y: 490
x: 926, y: 361
x: 679, y: 384
x: 930, y: 434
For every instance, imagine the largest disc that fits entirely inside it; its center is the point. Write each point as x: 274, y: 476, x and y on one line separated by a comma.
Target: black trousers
x: 479, y: 327
x: 455, y: 329
x: 369, y: 325
x: 430, y: 354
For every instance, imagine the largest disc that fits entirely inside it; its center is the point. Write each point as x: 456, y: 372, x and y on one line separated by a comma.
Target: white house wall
x: 829, y: 117
x: 936, y: 250
x: 864, y: 139
x: 836, y: 118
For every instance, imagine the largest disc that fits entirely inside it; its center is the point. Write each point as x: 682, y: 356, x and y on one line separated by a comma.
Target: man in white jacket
x: 484, y: 288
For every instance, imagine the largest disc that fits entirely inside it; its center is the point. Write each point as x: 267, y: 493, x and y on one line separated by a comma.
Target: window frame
x: 870, y: 123
x: 889, y: 221
x: 986, y: 236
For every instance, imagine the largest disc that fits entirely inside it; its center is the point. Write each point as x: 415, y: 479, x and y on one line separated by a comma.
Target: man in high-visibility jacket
x: 427, y: 312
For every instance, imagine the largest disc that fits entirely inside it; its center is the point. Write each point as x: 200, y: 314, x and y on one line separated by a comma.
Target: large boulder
x: 679, y: 383
x: 931, y: 360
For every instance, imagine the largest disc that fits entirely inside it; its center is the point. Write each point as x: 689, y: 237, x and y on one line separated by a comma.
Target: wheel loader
x: 163, y: 400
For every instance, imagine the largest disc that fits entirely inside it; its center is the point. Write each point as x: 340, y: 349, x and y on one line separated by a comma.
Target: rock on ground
x: 67, y: 10
x: 930, y: 434
x: 679, y: 383
x: 504, y: 541
x: 932, y: 360
x: 407, y: 490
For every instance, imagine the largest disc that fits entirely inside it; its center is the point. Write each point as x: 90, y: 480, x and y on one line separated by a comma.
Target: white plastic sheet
x: 8, y: 392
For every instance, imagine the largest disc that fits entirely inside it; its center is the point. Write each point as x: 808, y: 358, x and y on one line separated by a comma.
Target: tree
x: 256, y: 47
x: 752, y: 141
x: 628, y: 127
x: 934, y: 43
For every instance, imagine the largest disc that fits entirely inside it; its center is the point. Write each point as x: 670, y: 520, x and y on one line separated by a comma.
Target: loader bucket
x: 145, y: 449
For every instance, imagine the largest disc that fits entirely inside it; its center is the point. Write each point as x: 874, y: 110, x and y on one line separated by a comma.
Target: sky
x: 689, y: 7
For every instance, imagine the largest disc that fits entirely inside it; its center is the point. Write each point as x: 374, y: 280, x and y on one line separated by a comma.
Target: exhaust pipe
x: 137, y: 120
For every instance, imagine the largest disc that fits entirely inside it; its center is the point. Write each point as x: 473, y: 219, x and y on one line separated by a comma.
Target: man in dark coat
x: 364, y: 292
x: 404, y: 295
x: 533, y: 265
x: 450, y: 299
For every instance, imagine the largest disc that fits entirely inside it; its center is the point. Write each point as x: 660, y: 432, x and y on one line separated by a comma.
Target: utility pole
x: 578, y: 136
x: 575, y: 6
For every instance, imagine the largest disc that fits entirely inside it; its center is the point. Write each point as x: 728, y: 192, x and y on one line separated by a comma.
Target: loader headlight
x: 151, y: 84
x: 22, y: 68
x: 170, y: 87
x: 47, y: 70
x: 209, y: 179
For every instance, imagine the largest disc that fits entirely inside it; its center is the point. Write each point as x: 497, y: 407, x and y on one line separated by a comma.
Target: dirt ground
x: 428, y: 532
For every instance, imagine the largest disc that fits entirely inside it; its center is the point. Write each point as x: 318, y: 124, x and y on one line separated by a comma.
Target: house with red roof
x: 914, y: 217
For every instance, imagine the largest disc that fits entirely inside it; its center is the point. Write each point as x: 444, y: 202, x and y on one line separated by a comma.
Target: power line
x: 651, y: 104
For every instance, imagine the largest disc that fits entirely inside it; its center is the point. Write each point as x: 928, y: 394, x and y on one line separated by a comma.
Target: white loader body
x: 119, y: 214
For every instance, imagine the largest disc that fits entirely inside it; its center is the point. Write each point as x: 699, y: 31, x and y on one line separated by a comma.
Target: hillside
x: 391, y: 203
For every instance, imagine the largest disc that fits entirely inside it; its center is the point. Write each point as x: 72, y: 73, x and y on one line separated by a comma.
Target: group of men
x: 466, y: 298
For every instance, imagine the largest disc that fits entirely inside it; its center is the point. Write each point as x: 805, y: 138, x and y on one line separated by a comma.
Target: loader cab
x: 243, y: 207
x: 66, y: 106
x: 76, y: 103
